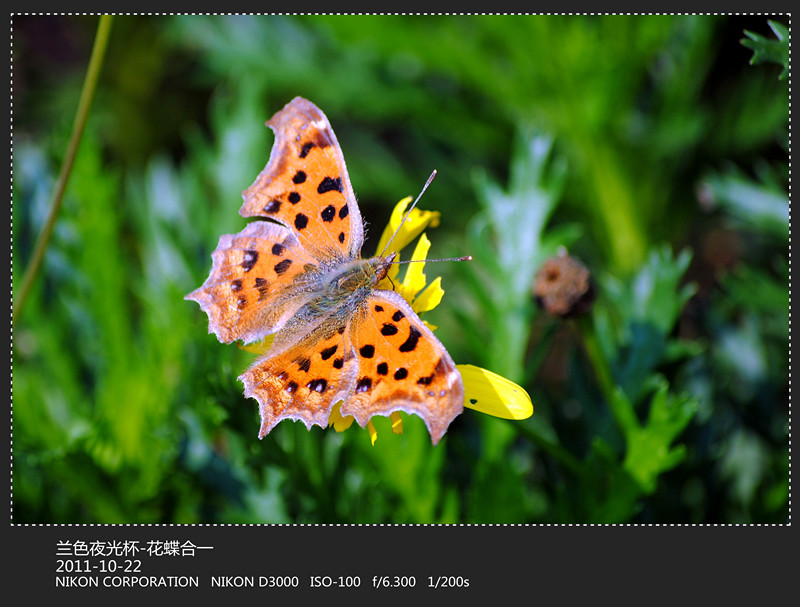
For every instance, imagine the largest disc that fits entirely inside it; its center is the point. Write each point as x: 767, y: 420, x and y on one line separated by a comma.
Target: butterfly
x: 296, y: 272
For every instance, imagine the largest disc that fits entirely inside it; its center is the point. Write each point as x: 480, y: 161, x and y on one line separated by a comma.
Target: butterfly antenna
x: 465, y: 258
x: 411, y: 208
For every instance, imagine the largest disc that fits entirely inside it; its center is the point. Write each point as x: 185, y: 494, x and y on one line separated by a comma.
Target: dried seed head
x: 563, y: 286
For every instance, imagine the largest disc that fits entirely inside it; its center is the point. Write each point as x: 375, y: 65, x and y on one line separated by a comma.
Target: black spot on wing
x: 321, y: 138
x: 330, y: 185
x: 437, y: 369
x: 367, y: 351
x: 263, y: 288
x: 273, y: 206
x: 388, y: 329
x: 294, y: 197
x: 424, y: 381
x: 306, y: 149
x: 411, y: 343
x: 328, y: 352
x: 328, y: 213
x: 250, y: 259
x: 317, y: 385
x: 282, y: 266
x: 300, y: 221
x: 299, y: 177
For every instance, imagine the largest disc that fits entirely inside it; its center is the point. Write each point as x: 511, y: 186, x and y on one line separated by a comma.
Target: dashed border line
x: 11, y: 288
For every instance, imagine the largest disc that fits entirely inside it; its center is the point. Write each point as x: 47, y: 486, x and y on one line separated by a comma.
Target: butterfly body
x: 297, y: 273
x: 346, y: 286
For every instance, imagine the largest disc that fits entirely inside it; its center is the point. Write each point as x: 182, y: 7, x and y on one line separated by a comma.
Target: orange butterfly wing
x: 402, y: 366
x: 303, y: 381
x: 246, y: 295
x: 305, y: 185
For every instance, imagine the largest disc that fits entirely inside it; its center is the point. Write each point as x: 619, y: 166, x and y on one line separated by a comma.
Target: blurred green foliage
x: 647, y: 146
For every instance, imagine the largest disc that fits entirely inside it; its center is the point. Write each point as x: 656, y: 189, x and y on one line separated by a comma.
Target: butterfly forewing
x: 255, y: 282
x: 305, y: 185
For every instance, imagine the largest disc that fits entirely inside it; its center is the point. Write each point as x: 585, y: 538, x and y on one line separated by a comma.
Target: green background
x: 647, y: 146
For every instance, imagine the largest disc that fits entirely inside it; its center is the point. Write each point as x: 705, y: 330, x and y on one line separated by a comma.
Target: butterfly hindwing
x: 304, y: 381
x: 402, y: 366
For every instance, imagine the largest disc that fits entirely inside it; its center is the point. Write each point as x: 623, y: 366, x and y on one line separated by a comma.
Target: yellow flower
x: 484, y: 391
x: 417, y: 221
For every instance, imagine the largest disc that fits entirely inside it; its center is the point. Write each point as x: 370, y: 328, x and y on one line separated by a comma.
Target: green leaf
x: 649, y: 447
x: 766, y: 50
x: 750, y: 289
x: 535, y: 187
x: 634, y: 319
x: 654, y: 295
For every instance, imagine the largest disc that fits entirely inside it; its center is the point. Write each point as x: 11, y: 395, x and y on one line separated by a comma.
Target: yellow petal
x: 397, y: 422
x: 413, y: 226
x: 340, y: 423
x: 414, y: 280
x: 343, y: 423
x: 494, y: 395
x: 397, y: 213
x: 258, y: 347
x: 421, y: 250
x: 430, y: 297
x: 406, y: 293
x: 394, y: 221
x: 373, y: 433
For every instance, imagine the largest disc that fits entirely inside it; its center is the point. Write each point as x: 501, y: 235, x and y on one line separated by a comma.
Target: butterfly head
x: 380, y: 265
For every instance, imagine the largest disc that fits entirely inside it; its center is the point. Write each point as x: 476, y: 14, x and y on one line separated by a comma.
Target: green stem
x: 622, y: 412
x: 85, y: 103
x: 542, y: 349
x: 595, y: 355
